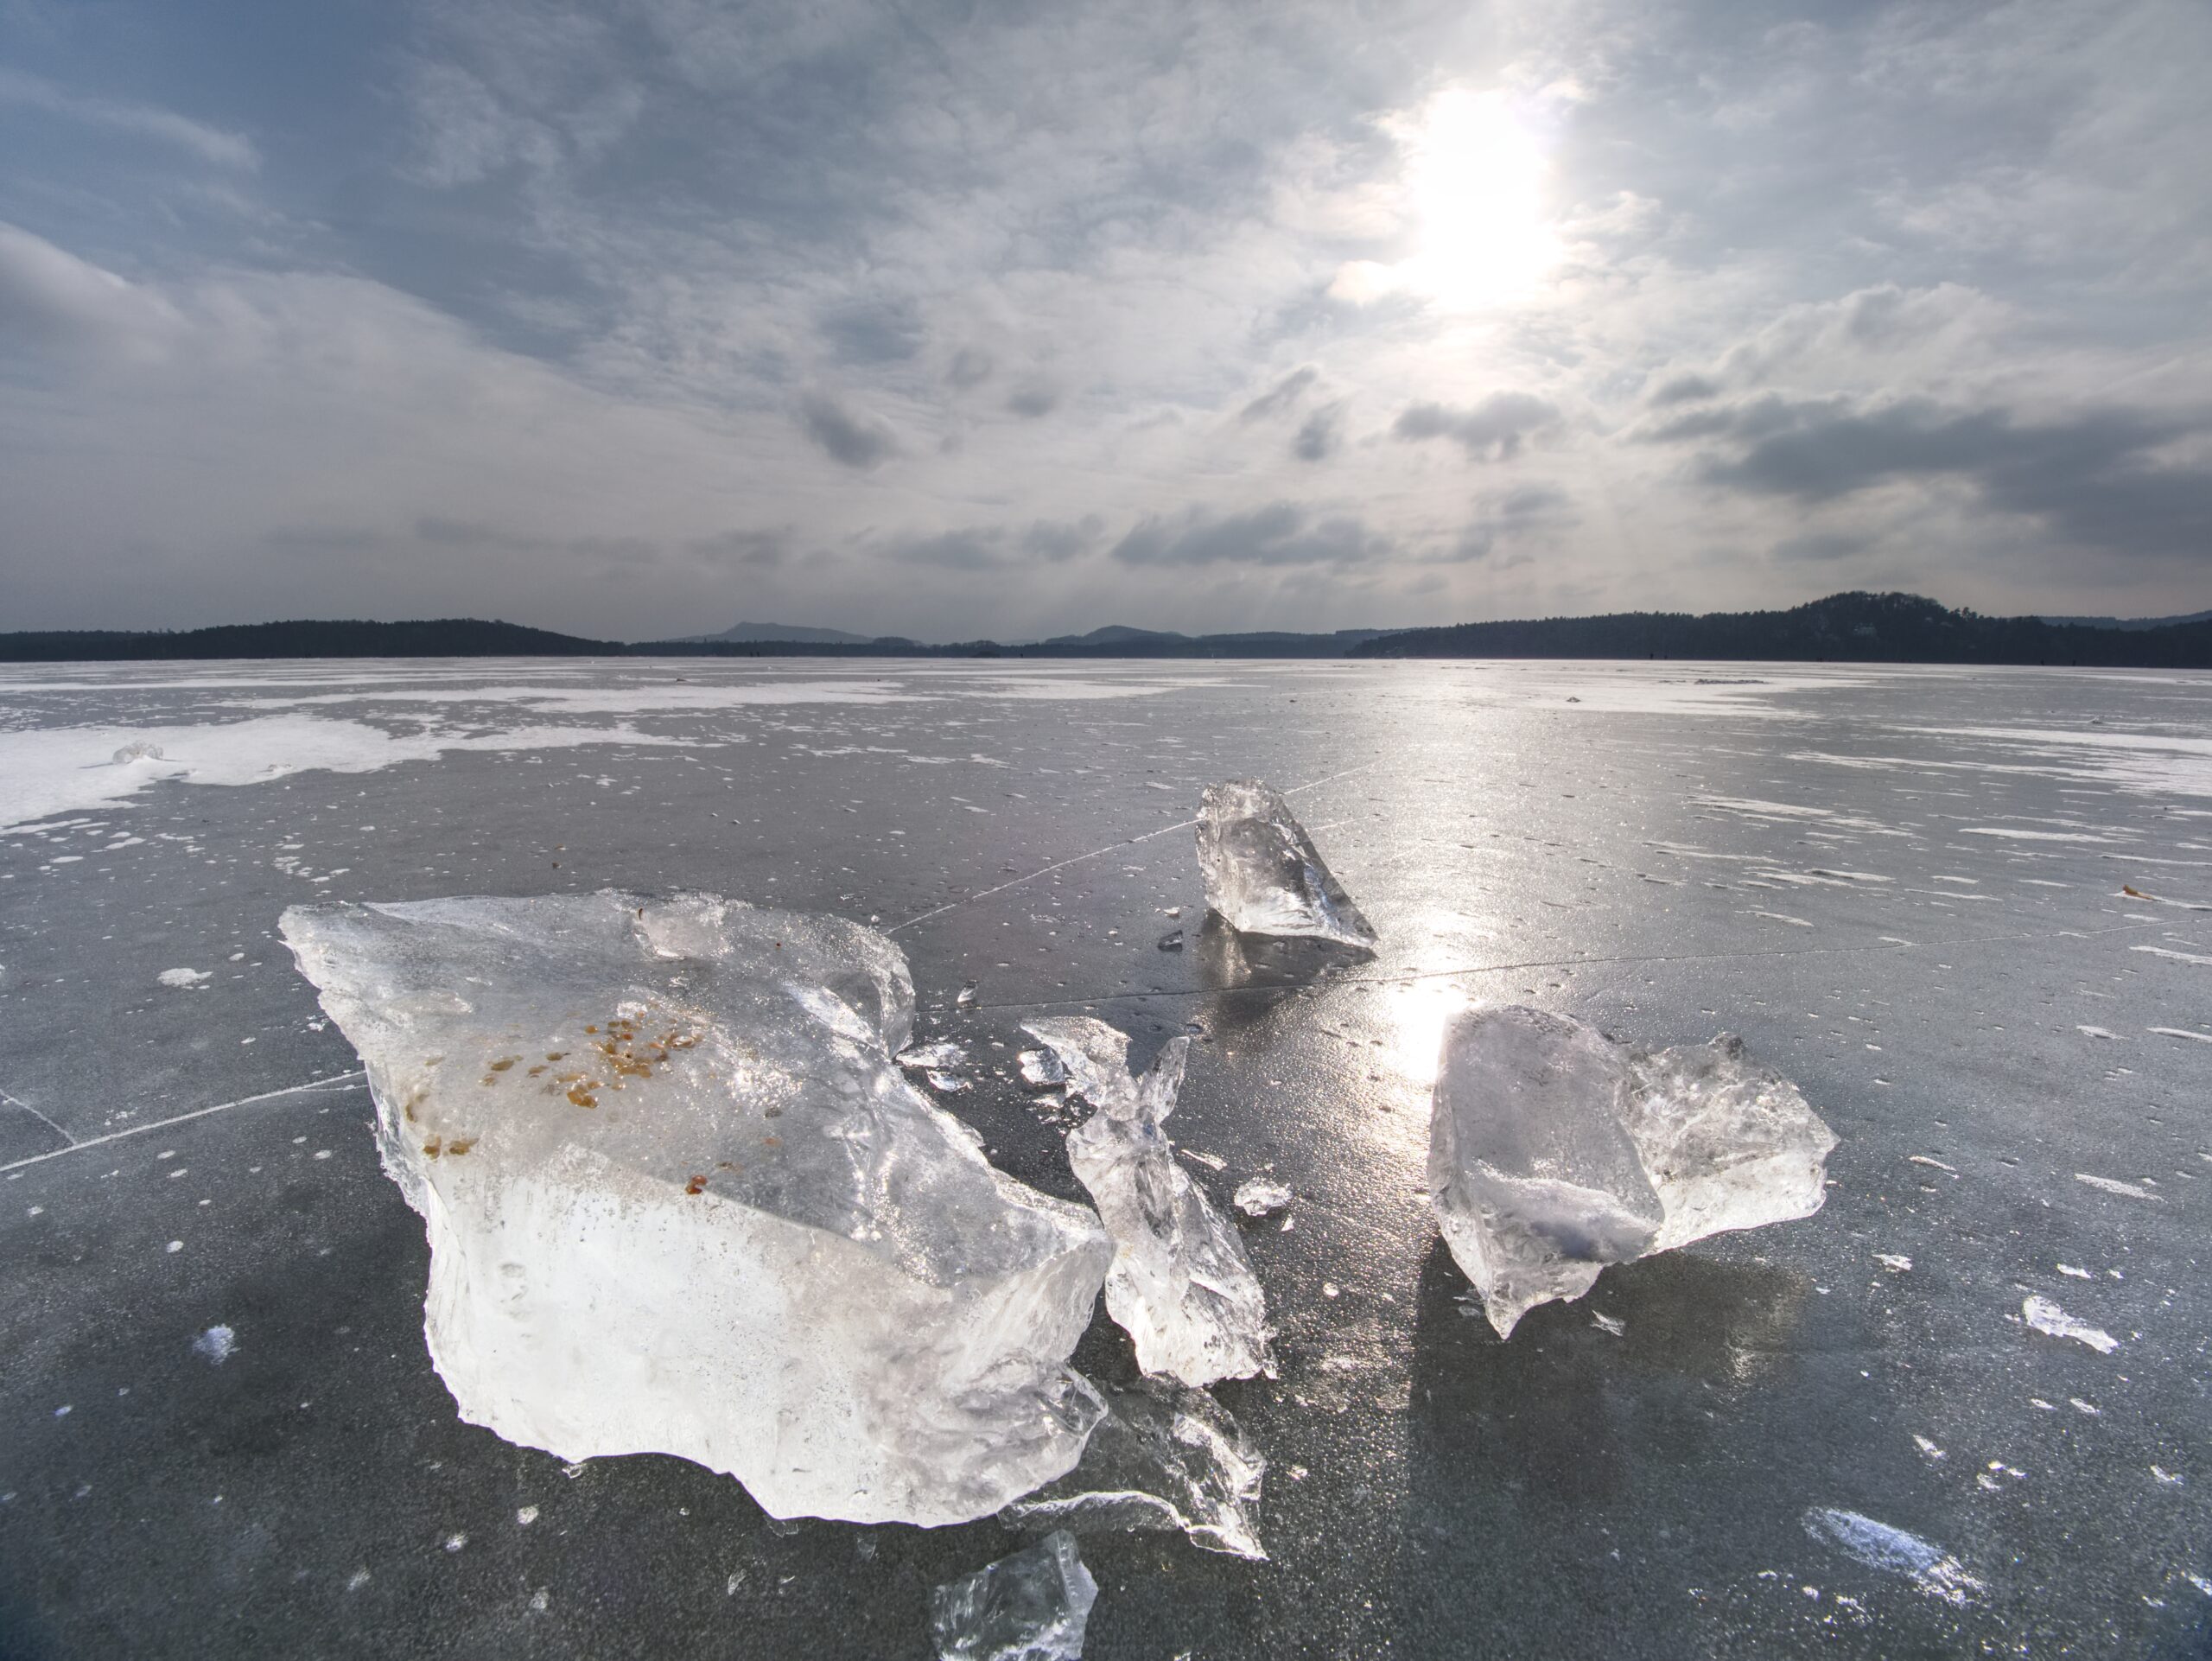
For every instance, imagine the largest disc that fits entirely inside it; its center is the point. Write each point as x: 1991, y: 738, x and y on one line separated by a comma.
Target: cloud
x: 210, y: 144
x: 1321, y: 435
x: 1525, y: 512
x: 857, y: 440
x: 1281, y: 534
x: 1282, y: 396
x: 1820, y: 546
x: 2097, y: 479
x: 998, y: 547
x: 970, y: 366
x: 1492, y: 431
x: 758, y: 550
x: 882, y: 330
x: 1034, y: 400
x: 50, y: 298
x: 1682, y: 389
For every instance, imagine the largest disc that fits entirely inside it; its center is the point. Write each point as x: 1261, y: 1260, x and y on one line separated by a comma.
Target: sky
x: 643, y: 317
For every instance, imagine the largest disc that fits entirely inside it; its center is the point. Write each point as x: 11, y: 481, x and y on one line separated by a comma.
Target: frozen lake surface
x: 1865, y: 1433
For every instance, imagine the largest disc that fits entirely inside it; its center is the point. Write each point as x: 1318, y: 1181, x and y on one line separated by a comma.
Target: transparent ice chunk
x: 1031, y: 1607
x: 1041, y: 1069
x: 1262, y: 872
x: 680, y: 1199
x: 1180, y: 1284
x: 1554, y: 1151
x: 939, y: 1056
x: 1165, y: 1457
x: 1261, y: 1197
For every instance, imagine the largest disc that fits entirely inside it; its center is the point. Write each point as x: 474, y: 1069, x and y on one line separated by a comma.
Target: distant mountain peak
x: 745, y: 632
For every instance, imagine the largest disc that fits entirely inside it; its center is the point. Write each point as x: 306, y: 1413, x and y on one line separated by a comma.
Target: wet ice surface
x: 1635, y: 859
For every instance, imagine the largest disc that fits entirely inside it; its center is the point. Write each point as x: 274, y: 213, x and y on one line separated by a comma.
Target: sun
x: 1472, y: 192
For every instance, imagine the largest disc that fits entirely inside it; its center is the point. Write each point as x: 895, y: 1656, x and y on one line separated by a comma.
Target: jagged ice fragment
x: 1181, y: 1283
x: 1261, y: 1197
x: 2047, y: 1317
x: 1165, y: 1457
x: 1031, y: 1607
x: 1262, y: 872
x: 680, y: 1199
x: 1554, y: 1151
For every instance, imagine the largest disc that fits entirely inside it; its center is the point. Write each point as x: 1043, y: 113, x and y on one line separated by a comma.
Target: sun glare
x: 1473, y: 191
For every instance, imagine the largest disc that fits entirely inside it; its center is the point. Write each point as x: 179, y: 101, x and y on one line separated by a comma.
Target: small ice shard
x: 1172, y: 941
x: 1165, y: 1457
x: 1031, y: 1607
x: 1041, y: 1069
x: 182, y: 977
x: 1262, y: 872
x: 1180, y: 1284
x: 681, y: 1199
x: 2113, y: 1185
x: 1895, y: 1261
x: 967, y: 995
x: 1605, y: 1323
x: 948, y: 1083
x: 137, y: 750
x: 216, y: 1343
x: 2047, y: 1317
x: 1261, y: 1197
x: 1892, y: 1550
x: 937, y: 1057
x: 1555, y: 1150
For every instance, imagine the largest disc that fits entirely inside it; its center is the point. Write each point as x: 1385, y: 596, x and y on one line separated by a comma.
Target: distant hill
x: 1118, y: 640
x: 752, y: 634
x: 2129, y: 622
x: 450, y: 637
x: 1842, y: 628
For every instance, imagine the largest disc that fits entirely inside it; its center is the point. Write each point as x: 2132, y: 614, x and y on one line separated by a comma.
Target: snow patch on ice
x: 55, y: 770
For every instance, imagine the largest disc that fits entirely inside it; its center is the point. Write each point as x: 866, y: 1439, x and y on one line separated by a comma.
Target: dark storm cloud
x: 1492, y: 431
x: 1282, y: 395
x: 857, y: 440
x: 2095, y: 478
x: 1321, y: 435
x: 1279, y: 534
